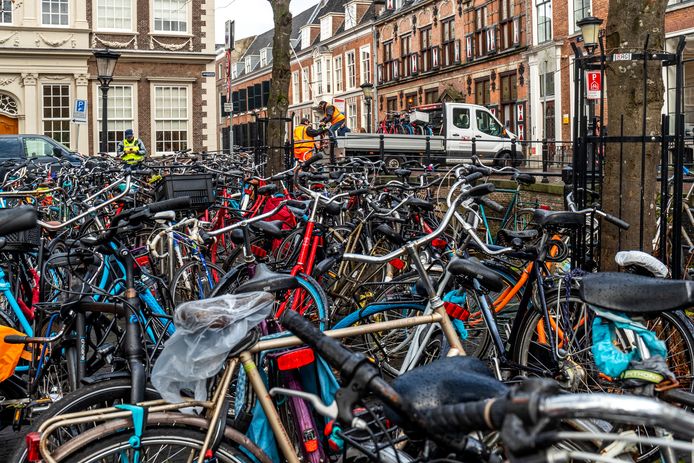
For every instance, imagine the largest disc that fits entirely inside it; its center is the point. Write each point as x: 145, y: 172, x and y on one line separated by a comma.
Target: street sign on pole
x: 229, y: 35
x: 79, y: 115
x: 208, y: 73
x: 228, y: 107
x: 593, y: 85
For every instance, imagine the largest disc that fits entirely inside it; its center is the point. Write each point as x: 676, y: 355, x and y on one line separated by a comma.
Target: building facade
x: 46, y: 63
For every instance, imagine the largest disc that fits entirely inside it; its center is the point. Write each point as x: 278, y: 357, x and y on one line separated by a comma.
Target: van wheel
x: 503, y: 159
x: 393, y: 162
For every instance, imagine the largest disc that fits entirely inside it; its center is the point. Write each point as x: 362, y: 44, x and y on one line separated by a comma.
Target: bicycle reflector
x: 295, y: 359
x: 398, y: 264
x: 438, y: 243
x: 32, y: 440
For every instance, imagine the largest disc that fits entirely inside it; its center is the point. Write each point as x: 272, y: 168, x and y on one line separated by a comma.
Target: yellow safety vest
x: 337, y: 116
x: 302, y: 148
x: 132, y: 157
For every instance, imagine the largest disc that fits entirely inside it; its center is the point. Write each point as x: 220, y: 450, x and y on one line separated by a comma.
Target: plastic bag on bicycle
x: 206, y: 331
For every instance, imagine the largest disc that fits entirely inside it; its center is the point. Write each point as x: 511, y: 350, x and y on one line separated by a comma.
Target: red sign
x: 593, y: 85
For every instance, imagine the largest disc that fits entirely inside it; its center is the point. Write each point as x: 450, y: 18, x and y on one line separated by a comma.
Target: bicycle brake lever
x: 328, y: 411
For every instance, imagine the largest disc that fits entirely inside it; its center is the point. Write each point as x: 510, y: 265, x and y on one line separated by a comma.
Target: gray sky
x: 252, y: 16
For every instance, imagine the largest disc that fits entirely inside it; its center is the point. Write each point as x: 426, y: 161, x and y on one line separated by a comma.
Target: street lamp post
x: 105, y: 65
x: 368, y: 89
x: 590, y: 30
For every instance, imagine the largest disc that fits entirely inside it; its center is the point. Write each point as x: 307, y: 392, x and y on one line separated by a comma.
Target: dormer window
x: 264, y: 53
x: 350, y: 15
x: 326, y: 28
x: 248, y: 62
x: 234, y: 72
x: 305, y: 38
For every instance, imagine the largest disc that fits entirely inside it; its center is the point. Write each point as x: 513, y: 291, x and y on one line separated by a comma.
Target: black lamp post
x: 590, y: 30
x: 105, y: 64
x: 368, y: 89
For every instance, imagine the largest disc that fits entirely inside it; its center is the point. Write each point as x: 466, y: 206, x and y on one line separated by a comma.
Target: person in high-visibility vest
x: 131, y: 150
x: 303, y: 140
x: 336, y: 119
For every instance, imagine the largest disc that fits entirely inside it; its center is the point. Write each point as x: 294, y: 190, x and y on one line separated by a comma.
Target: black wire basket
x: 27, y: 240
x: 198, y: 187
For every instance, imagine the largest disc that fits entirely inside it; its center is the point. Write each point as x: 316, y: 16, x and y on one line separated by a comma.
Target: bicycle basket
x: 23, y: 241
x: 198, y: 187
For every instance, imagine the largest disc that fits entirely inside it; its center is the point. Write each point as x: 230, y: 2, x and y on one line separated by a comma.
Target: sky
x: 252, y: 16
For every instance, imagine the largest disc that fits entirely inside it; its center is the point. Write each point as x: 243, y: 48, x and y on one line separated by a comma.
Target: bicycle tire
x: 196, y: 280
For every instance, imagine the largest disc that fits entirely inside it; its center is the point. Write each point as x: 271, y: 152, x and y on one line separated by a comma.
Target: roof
x: 405, y: 4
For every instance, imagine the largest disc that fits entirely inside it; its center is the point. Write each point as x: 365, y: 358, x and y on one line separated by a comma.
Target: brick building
x: 466, y: 51
x: 165, y: 45
x: 679, y: 21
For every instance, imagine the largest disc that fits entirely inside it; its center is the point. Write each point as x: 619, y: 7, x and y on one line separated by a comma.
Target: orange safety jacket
x: 303, y: 147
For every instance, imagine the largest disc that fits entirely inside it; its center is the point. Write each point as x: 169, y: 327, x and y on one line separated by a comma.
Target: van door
x: 459, y: 130
x: 488, y: 134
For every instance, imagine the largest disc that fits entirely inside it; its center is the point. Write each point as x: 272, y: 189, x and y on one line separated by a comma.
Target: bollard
x: 474, y: 146
x: 545, y: 154
x: 428, y: 150
x: 382, y: 147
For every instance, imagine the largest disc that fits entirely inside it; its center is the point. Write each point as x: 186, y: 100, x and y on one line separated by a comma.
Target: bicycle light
x: 295, y: 359
x: 33, y: 439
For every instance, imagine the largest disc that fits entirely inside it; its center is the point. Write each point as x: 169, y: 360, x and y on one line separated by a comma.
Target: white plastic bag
x: 206, y: 331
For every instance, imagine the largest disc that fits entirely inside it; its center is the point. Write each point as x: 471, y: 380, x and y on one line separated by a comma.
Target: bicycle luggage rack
x: 198, y: 187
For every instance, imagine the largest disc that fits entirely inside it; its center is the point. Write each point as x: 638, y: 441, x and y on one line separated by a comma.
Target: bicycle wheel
x: 166, y: 444
x: 195, y: 281
x: 99, y: 395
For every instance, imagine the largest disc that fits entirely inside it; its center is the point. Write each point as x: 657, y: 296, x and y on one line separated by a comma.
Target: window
x: 581, y: 10
x: 352, y: 112
x: 431, y: 96
x: 461, y: 118
x: 410, y: 100
x: 305, y: 94
x: 365, y: 54
x: 509, y: 95
x: 263, y: 57
x: 170, y: 118
x: 482, y: 91
x: 547, y: 83
x: 351, y: 70
x: 481, y: 34
x: 387, y: 69
x: 448, y: 44
x: 114, y: 15
x: 326, y: 28
x: 328, y: 75
x: 427, y: 49
x: 305, y: 37
x: 247, y: 63
x: 319, y: 76
x: 120, y: 114
x: 56, y: 112
x: 544, y: 20
x: 338, y: 74
x: 392, y: 105
x: 350, y: 15
x: 506, y: 25
x: 405, y: 51
x: 6, y: 11
x: 54, y: 12
x: 364, y: 115
x: 487, y: 124
x: 171, y: 15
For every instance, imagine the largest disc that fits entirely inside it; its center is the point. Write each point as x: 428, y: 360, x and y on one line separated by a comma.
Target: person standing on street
x: 303, y: 140
x: 131, y: 150
x: 337, y: 120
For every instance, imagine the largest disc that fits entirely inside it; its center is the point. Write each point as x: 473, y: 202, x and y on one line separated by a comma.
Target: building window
x: 305, y: 94
x: 171, y: 15
x: 387, y: 62
x: 326, y: 28
x: 405, y: 52
x: 351, y: 70
x: 305, y: 38
x: 391, y: 105
x: 509, y: 96
x: 352, y: 112
x: 448, y: 42
x: 170, y: 118
x: 54, y: 12
x: 114, y: 15
x: 431, y: 96
x: 365, y: 54
x: 6, y: 11
x: 56, y: 112
x: 480, y: 36
x: 319, y: 76
x: 544, y: 20
x: 506, y: 24
x: 120, y: 114
x: 338, y: 74
x: 263, y: 57
x: 350, y: 15
x: 328, y: 76
x: 427, y: 50
x: 482, y: 91
x: 581, y: 10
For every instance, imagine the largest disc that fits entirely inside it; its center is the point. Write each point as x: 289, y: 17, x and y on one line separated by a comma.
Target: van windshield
x: 487, y: 124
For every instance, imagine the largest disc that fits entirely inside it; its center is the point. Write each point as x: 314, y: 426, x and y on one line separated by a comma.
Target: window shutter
x: 415, y: 63
x: 516, y: 31
x: 390, y: 4
x: 456, y: 51
x: 435, y: 57
x: 379, y: 71
x: 468, y: 48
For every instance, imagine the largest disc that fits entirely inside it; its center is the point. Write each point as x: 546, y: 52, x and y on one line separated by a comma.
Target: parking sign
x: 79, y: 115
x: 593, y: 85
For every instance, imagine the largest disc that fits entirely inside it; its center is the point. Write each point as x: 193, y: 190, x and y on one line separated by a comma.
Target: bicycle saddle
x: 267, y: 190
x: 645, y: 263
x: 417, y: 203
x: 446, y: 381
x: 473, y: 268
x: 507, y: 236
x: 271, y: 229
x: 333, y: 208
x: 524, y: 179
x: 404, y: 173
x: 635, y: 293
x: 267, y: 280
x: 562, y: 219
x: 390, y: 234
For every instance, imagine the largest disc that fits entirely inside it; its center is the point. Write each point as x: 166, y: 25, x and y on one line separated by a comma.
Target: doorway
x: 8, y: 125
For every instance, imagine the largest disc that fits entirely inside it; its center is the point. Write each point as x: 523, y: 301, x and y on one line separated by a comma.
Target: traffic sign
x: 208, y: 73
x: 593, y: 85
x: 229, y: 35
x: 79, y: 115
x: 228, y: 107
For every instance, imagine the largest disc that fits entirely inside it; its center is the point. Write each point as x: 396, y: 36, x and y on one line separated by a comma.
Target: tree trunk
x: 629, y: 23
x: 279, y: 87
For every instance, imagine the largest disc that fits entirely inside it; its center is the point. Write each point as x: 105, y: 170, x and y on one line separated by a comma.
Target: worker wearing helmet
x: 303, y: 140
x: 336, y: 119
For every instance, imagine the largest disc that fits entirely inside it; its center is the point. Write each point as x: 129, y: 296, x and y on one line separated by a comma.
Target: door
x: 459, y: 130
x: 8, y: 125
x: 487, y: 133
